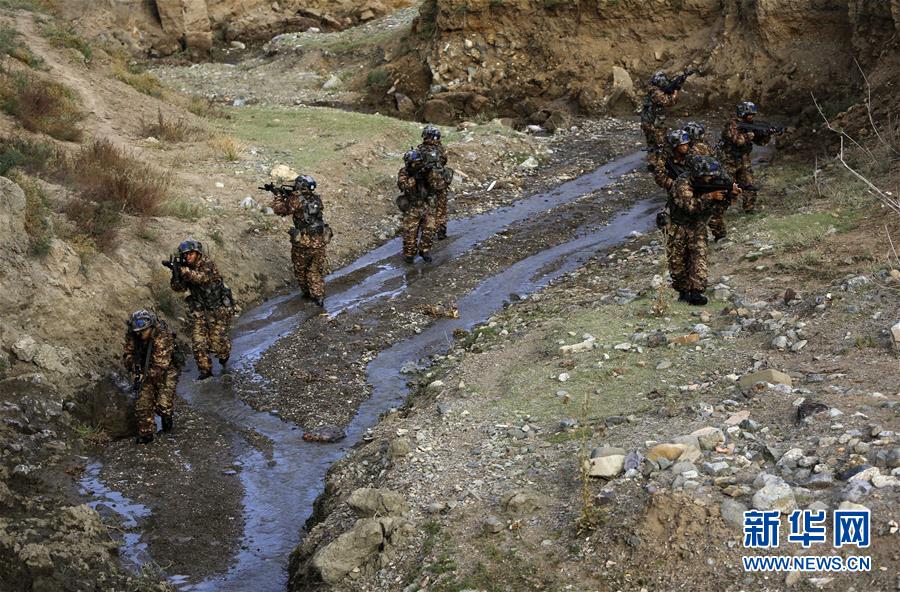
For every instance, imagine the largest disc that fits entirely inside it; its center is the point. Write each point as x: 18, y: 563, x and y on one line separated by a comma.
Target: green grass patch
x: 165, y: 300
x: 184, y: 208
x: 377, y: 77
x: 317, y: 135
x: 802, y: 230
x: 529, y: 385
x: 11, y: 45
x: 65, y: 36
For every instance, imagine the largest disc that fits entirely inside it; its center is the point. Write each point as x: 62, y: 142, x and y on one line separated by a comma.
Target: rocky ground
x: 780, y: 394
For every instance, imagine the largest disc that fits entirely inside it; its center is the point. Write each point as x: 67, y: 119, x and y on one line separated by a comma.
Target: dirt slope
x: 513, y: 57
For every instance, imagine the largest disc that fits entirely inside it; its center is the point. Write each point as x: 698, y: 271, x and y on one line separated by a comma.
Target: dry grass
x: 37, y: 217
x: 42, y: 105
x: 65, y: 36
x: 111, y: 183
x: 227, y: 147
x: 168, y: 130
x: 32, y: 156
x: 135, y: 77
x: 203, y: 107
x: 11, y: 46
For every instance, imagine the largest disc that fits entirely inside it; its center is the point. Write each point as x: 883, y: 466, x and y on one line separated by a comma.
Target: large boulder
x: 621, y: 97
x: 108, y: 406
x: 369, y: 543
x: 187, y: 20
x: 368, y: 502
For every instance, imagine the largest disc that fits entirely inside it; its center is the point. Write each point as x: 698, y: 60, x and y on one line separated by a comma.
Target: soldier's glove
x: 717, y: 196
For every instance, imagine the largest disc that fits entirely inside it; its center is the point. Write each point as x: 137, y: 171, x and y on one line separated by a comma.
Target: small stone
x: 670, y: 452
x: 607, y: 466
x: 799, y: 345
x: 769, y: 375
x: 709, y: 437
x: 780, y: 342
x: 529, y: 163
x: 732, y: 512
x: 493, y: 524
x: 775, y: 495
x: 664, y: 365
x: 738, y: 418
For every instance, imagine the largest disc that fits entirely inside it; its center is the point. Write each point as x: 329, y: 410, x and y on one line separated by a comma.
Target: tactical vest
x: 210, y: 296
x: 309, y: 219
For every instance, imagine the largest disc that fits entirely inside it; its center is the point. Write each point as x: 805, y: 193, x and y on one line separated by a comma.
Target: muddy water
x: 279, y: 491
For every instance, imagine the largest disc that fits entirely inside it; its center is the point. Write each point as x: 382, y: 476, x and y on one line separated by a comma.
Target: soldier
x: 699, y: 147
x: 155, y: 361
x: 438, y: 176
x: 667, y: 169
x: 736, y: 147
x: 686, y: 242
x: 653, y: 116
x: 309, y: 236
x: 210, y: 303
x: 417, y: 224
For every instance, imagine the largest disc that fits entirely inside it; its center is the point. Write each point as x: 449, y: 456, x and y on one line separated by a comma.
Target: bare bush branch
x: 869, y: 109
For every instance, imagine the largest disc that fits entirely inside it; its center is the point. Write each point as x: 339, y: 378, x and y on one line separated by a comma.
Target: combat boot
x: 696, y: 298
x: 409, y: 259
x: 683, y: 297
x: 144, y: 439
x: 223, y: 361
x: 205, y: 375
x: 426, y: 257
x: 441, y: 233
x: 319, y: 302
x: 168, y: 424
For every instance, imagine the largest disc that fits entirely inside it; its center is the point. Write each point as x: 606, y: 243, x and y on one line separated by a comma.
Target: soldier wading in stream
x: 153, y: 357
x: 210, y: 302
x: 437, y: 174
x: 417, y: 222
x: 309, y: 236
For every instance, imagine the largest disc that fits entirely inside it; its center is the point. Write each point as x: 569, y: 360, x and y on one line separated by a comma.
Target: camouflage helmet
x: 695, y: 130
x: 304, y: 183
x: 745, y: 108
x: 142, y: 319
x: 411, y: 157
x: 191, y: 244
x: 705, y: 166
x: 431, y: 133
x: 659, y: 79
x: 678, y: 137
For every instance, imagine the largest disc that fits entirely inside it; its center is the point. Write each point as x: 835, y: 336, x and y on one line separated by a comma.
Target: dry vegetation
x: 227, y: 147
x: 110, y: 183
x: 41, y: 105
x: 169, y: 130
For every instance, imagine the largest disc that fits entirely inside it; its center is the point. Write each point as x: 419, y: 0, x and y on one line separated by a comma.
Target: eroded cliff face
x: 512, y: 57
x: 164, y: 27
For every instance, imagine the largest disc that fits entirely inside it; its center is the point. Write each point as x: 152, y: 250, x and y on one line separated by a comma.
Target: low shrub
x: 42, y: 105
x: 66, y: 36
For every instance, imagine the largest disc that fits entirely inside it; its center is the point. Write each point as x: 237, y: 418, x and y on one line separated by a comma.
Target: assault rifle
x: 761, y: 128
x: 140, y: 372
x: 717, y: 184
x: 675, y: 170
x: 174, y: 263
x: 280, y: 191
x: 679, y: 80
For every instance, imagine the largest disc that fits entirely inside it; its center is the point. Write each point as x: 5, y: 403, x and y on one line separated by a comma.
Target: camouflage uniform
x: 418, y: 222
x: 662, y: 173
x: 686, y: 244
x: 735, y: 150
x: 717, y: 219
x: 437, y: 185
x: 211, y: 310
x: 653, y: 116
x: 309, y: 238
x: 157, y: 394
